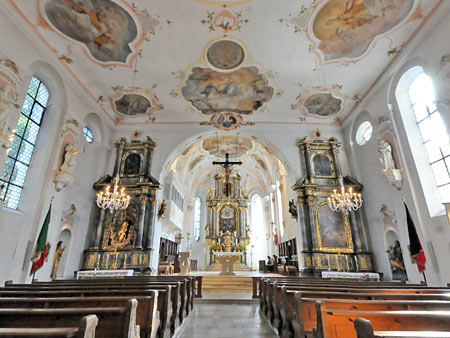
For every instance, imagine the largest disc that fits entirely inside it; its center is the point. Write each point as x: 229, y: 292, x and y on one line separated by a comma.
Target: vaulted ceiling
x: 225, y: 63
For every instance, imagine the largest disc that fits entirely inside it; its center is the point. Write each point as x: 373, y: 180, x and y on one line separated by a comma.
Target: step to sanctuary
x: 226, y: 284
x: 236, y: 267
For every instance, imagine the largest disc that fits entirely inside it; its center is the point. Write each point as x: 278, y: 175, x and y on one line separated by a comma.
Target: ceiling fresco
x: 243, y: 91
x: 224, y: 64
x: 234, y: 145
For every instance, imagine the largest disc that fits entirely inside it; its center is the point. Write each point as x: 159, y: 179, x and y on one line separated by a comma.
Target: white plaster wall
x: 367, y: 169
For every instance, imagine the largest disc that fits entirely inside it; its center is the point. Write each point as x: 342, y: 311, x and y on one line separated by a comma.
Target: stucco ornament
x: 6, y: 101
x: 70, y: 158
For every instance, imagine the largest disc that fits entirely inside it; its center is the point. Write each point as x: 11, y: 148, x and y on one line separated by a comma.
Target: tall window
x: 21, y: 148
x: 433, y: 131
x: 197, y: 217
x: 280, y: 209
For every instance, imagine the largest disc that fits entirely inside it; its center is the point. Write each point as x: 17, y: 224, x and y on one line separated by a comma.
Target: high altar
x: 227, y: 231
x: 123, y: 239
x: 332, y: 241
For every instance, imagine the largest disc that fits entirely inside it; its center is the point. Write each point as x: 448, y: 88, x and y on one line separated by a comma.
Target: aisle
x: 216, y: 319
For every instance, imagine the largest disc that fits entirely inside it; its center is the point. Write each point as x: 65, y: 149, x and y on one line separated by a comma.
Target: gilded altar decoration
x: 227, y: 228
x: 58, y: 253
x: 123, y: 238
x: 332, y: 241
x: 162, y: 209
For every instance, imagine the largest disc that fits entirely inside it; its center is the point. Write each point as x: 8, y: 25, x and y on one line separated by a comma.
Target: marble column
x: 140, y: 234
x: 150, y: 224
x: 99, y: 230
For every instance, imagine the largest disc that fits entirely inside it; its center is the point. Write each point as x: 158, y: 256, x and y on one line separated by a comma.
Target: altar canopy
x: 227, y: 229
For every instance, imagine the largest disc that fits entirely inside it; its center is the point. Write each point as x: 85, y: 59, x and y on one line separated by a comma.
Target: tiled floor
x: 226, y: 320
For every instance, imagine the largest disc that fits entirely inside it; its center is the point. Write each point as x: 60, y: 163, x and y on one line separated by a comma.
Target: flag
x: 415, y: 248
x: 42, y: 248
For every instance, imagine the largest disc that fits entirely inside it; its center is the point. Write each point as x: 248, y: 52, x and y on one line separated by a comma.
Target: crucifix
x: 227, y: 164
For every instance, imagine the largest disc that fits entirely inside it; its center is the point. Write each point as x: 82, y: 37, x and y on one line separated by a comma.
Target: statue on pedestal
x: 386, y: 160
x: 69, y: 158
x: 58, y: 253
x: 396, y: 261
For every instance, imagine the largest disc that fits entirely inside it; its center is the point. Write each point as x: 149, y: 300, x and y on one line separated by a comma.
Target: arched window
x: 197, y: 217
x: 433, y: 132
x: 280, y: 208
x: 21, y: 148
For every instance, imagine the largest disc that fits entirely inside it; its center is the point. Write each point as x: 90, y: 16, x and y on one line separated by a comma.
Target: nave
x: 226, y: 319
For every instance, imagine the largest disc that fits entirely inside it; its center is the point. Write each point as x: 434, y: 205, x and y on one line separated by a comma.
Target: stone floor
x: 216, y: 319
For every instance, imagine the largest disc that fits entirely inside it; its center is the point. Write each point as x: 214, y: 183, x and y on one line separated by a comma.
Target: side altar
x: 331, y: 241
x: 122, y: 239
x: 227, y: 230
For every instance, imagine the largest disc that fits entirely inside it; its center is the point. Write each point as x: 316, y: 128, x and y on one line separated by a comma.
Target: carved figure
x: 207, y: 230
x: 162, y: 209
x: 69, y: 158
x: 386, y: 160
x: 58, y: 253
x: 396, y: 261
x: 293, y: 209
x: 247, y: 231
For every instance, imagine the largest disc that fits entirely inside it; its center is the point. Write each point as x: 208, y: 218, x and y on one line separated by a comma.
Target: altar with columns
x: 227, y: 230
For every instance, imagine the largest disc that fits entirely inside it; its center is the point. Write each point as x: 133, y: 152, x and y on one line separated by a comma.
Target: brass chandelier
x: 113, y: 200
x: 346, y: 200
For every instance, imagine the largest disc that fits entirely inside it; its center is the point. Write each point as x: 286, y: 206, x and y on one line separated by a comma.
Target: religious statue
x: 58, y: 253
x: 207, y: 230
x: 228, y: 243
x: 386, y: 151
x: 293, y: 209
x: 247, y: 231
x: 69, y: 158
x: 396, y: 261
x: 162, y: 209
x: 122, y: 235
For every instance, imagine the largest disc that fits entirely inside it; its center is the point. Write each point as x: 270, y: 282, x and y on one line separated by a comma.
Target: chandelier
x: 115, y: 200
x: 344, y: 201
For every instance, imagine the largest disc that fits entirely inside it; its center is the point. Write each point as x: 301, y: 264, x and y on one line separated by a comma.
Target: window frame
x: 24, y: 143
x: 198, y: 204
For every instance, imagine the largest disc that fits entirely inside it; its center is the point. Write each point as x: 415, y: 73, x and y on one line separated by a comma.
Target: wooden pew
x: 339, y: 323
x: 147, y: 316
x: 86, y: 329
x: 167, y: 309
x: 112, y: 321
x: 364, y: 329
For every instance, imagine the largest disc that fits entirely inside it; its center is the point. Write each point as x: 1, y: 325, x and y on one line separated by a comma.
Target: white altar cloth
x: 228, y: 253
x: 104, y: 273
x: 352, y: 275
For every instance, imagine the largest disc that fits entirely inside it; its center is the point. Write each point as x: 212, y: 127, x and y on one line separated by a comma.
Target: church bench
x: 284, y: 316
x: 168, y: 303
x: 118, y: 322
x: 86, y: 329
x: 177, y: 293
x: 306, y: 311
x: 364, y: 329
x: 147, y: 315
x: 339, y: 323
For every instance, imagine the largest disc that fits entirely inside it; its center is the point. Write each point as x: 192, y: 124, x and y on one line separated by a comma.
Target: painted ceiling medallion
x: 133, y: 102
x: 227, y: 144
x: 225, y: 54
x: 320, y: 102
x: 342, y: 30
x: 104, y: 27
x: 224, y: 21
x: 227, y: 121
x: 242, y: 91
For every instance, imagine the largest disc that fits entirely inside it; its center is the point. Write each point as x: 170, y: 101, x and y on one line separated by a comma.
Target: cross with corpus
x: 227, y: 164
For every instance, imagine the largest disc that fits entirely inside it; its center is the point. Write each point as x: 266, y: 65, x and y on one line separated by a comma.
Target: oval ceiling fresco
x: 104, y: 27
x: 132, y: 104
x: 225, y: 54
x: 323, y: 104
x: 233, y: 145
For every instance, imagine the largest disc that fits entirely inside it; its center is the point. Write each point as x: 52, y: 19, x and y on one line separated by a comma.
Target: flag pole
x: 425, y: 278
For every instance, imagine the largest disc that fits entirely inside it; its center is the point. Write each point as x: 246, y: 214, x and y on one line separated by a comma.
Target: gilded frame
x: 349, y: 248
x: 237, y: 210
x: 325, y: 153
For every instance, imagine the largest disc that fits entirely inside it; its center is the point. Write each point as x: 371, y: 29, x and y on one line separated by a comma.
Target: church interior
x: 167, y: 173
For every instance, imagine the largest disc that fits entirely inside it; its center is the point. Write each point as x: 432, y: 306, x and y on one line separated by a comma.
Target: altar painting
x: 333, y: 230
x: 227, y: 219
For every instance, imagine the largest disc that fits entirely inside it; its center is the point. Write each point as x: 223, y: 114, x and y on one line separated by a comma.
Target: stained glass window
x: 197, y: 217
x: 88, y: 135
x: 21, y: 148
x: 433, y: 131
